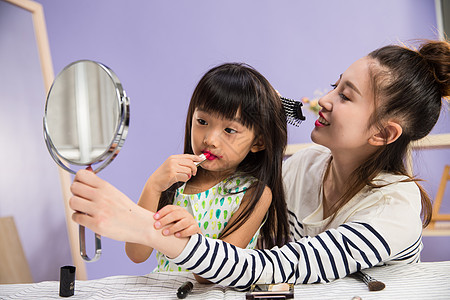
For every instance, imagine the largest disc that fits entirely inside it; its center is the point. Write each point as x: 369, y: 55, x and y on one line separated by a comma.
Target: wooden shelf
x: 440, y: 229
x: 432, y: 141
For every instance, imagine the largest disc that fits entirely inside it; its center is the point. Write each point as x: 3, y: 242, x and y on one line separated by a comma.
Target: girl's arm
x: 242, y: 236
x: 175, y: 169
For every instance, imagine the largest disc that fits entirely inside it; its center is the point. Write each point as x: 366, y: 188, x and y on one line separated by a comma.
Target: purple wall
x: 29, y: 183
x: 160, y: 49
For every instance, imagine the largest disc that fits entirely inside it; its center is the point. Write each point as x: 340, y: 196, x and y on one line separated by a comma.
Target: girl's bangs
x: 229, y: 103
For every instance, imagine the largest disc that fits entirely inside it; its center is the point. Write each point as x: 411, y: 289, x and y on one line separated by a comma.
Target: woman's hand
x: 101, y: 207
x: 176, y: 220
x: 105, y: 210
x: 177, y: 168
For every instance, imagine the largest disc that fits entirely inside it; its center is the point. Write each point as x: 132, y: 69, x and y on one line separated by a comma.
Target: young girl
x: 352, y: 202
x: 236, y: 118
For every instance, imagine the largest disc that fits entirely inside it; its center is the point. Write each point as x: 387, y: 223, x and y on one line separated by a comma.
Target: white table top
x: 415, y: 281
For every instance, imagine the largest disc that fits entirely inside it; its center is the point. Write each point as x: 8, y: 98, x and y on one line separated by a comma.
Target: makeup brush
x: 293, y: 110
x: 372, y: 283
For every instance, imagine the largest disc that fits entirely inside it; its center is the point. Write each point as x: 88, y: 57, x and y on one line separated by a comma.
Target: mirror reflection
x: 86, y: 115
x: 85, y: 122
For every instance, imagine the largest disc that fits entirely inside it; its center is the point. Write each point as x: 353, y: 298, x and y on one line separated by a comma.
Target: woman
x: 351, y: 201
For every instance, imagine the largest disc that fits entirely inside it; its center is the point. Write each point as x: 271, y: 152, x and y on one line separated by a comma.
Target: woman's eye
x: 229, y: 130
x: 202, y: 122
x: 343, y: 97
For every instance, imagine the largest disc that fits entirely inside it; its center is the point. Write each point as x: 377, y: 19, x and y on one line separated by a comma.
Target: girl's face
x: 227, y: 141
x: 346, y: 110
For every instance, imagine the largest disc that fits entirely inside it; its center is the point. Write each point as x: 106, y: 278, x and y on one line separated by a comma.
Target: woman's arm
x: 169, y: 217
x: 175, y: 169
x: 149, y: 200
x: 332, y: 254
x: 242, y: 236
x: 387, y: 231
x: 105, y: 210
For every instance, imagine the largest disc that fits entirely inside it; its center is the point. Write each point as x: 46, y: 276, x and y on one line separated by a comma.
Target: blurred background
x: 159, y: 50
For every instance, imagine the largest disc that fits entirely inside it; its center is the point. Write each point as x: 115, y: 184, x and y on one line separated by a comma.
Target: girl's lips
x: 209, y: 155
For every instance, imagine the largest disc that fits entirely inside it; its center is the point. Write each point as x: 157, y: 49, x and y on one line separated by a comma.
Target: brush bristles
x: 293, y: 110
x: 372, y: 284
x: 375, y: 285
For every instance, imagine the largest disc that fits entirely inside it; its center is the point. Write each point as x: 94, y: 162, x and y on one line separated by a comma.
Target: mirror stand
x: 98, y: 246
x: 85, y: 123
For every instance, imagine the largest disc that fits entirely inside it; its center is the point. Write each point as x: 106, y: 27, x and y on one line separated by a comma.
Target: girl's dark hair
x: 408, y: 87
x: 233, y: 88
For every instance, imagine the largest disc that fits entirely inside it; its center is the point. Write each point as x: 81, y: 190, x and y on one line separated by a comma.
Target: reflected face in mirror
x: 86, y: 115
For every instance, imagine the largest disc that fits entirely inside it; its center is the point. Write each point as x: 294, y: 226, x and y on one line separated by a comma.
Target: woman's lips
x: 318, y: 124
x: 321, y: 121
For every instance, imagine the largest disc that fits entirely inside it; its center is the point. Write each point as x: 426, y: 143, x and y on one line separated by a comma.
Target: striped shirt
x: 378, y: 226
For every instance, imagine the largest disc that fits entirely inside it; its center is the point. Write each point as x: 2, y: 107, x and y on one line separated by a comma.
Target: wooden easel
x: 436, y: 216
x: 14, y: 265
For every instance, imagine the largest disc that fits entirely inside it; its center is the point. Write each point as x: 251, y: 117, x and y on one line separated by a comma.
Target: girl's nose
x: 211, y: 138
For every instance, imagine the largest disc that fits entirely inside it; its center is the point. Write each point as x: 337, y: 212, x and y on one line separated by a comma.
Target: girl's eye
x: 333, y: 85
x: 202, y: 122
x: 229, y: 130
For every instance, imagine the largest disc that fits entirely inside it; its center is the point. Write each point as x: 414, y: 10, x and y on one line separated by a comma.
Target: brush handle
x: 364, y: 277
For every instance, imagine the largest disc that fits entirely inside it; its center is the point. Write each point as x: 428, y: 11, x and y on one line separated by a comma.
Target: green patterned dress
x: 212, y: 209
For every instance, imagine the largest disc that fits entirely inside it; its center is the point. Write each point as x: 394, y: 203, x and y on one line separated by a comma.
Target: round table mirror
x: 86, y: 121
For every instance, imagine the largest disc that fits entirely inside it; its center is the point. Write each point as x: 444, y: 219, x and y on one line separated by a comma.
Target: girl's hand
x: 175, y: 169
x: 176, y: 220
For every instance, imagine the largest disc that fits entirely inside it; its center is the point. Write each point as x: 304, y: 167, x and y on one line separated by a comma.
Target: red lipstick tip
x: 207, y: 155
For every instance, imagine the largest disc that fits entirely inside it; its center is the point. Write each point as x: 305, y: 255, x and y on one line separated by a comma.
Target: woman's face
x: 346, y: 110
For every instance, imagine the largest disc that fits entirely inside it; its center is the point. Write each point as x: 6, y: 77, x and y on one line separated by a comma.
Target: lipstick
x: 203, y: 156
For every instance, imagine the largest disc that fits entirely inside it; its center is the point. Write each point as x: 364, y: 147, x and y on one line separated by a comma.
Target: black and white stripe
x: 410, y: 254
x: 295, y: 226
x: 332, y: 254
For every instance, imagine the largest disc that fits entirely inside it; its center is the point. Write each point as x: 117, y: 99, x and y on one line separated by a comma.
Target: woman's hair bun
x: 437, y: 54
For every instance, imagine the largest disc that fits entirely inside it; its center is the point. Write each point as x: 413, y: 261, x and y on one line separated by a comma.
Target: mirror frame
x: 120, y: 133
x: 106, y: 157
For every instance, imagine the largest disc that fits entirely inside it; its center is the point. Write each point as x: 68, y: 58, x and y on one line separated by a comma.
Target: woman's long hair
x: 408, y: 86
x: 234, y: 88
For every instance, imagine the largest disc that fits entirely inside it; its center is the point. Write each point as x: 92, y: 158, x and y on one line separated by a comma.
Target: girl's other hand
x: 176, y: 220
x: 177, y: 168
